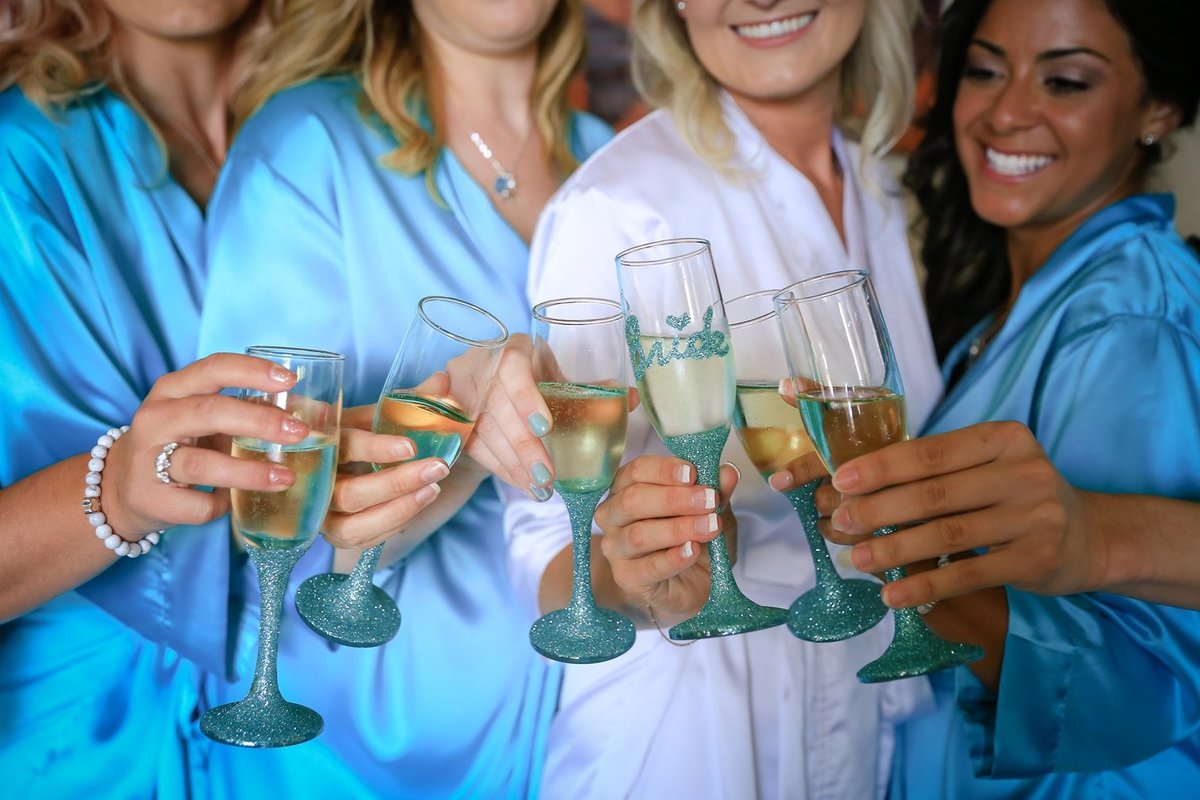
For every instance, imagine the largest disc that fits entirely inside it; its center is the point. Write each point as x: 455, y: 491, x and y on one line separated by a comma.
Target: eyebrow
x: 1048, y: 55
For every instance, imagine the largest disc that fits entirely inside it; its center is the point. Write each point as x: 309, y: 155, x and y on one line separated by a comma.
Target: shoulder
x: 32, y: 138
x: 313, y: 116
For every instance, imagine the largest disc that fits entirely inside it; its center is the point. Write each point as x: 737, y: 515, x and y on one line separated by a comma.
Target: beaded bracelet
x: 91, y: 501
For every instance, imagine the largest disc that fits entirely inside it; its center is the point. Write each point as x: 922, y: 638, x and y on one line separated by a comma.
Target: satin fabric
x: 760, y: 715
x: 101, y: 269
x: 314, y: 244
x: 1099, y: 694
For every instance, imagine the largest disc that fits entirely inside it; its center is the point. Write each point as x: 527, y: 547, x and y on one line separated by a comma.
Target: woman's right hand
x: 655, y: 520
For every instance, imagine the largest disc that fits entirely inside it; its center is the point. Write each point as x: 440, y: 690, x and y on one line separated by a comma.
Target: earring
x: 1149, y: 140
x: 680, y: 6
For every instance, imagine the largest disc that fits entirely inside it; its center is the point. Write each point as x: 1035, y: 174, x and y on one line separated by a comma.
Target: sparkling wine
x: 290, y: 518
x: 845, y: 424
x: 686, y: 395
x: 588, y: 437
x: 437, y: 427
x: 771, y: 430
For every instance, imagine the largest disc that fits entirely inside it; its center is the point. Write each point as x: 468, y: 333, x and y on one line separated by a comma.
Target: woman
x: 750, y: 149
x: 352, y: 197
x: 1067, y: 302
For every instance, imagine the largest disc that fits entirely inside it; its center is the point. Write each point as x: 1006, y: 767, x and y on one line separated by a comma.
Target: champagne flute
x: 432, y: 395
x: 277, y: 529
x: 852, y: 400
x: 678, y: 343
x: 773, y: 434
x: 579, y: 364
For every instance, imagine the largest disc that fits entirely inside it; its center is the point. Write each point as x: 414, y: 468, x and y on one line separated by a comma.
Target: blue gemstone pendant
x: 506, y: 185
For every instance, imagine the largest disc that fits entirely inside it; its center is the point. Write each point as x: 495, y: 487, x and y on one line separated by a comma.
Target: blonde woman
x: 420, y: 170
x: 754, y: 148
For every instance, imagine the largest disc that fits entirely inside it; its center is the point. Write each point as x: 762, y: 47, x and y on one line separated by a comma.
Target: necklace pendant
x: 506, y: 185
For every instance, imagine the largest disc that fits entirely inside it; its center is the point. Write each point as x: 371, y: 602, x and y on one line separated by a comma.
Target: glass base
x: 918, y: 652
x: 325, y: 603
x: 844, y: 609
x: 254, y: 723
x: 731, y: 615
x: 587, y: 637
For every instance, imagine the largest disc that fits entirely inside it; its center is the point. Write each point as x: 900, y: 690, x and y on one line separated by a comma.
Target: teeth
x: 780, y: 27
x: 1015, y: 165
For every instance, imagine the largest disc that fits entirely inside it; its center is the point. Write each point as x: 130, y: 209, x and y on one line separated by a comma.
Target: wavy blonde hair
x: 380, y: 42
x: 878, y: 78
x: 59, y: 50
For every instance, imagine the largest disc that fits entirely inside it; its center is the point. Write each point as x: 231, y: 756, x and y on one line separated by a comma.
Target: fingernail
x: 860, y: 556
x: 735, y: 469
x: 281, y: 477
x: 540, y: 474
x: 282, y: 375
x: 846, y: 479
x: 684, y: 474
x: 434, y: 472
x: 427, y: 493
x: 705, y: 499
x: 895, y: 596
x: 706, y: 524
x: 294, y: 426
x: 840, y: 519
x: 403, y: 448
x: 782, y: 481
x: 687, y: 550
x: 539, y: 424
x: 540, y: 493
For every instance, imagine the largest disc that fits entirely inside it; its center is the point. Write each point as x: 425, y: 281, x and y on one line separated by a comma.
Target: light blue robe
x: 1101, y: 358
x: 100, y: 281
x: 313, y: 243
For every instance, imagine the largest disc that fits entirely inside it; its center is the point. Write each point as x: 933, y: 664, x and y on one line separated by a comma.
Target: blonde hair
x: 380, y: 42
x: 878, y: 77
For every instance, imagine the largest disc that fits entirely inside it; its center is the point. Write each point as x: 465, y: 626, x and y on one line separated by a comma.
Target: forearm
x: 1150, y: 547
x: 49, y: 546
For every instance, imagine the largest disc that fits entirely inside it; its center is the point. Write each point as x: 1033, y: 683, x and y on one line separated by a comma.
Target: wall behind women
x: 1180, y: 174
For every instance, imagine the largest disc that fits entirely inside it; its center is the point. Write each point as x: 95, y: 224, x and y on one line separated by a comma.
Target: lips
x: 775, y: 28
x: 1016, y: 165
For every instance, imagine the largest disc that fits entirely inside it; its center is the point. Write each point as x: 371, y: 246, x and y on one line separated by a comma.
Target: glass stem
x: 273, y: 568
x: 708, y: 471
x: 581, y: 506
x: 803, y: 500
x: 360, y: 581
x: 907, y: 620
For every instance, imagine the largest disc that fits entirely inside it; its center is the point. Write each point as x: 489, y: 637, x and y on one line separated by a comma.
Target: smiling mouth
x: 779, y: 27
x: 1016, y: 165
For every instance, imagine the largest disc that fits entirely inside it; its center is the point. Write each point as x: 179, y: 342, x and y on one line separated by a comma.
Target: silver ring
x: 162, y: 462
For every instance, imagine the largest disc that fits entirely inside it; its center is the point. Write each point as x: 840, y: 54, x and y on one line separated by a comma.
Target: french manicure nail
x: 846, y: 479
x: 539, y: 424
x: 684, y: 474
x: 706, y: 524
x: 540, y: 474
x: 782, y: 481
x: 705, y: 499
x: 840, y: 519
x: 540, y: 493
x: 434, y: 472
x: 687, y: 550
x: 403, y: 448
x: 426, y: 494
x: 860, y: 556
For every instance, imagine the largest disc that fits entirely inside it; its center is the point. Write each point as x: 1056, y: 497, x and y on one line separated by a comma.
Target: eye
x: 979, y: 73
x: 1059, y: 84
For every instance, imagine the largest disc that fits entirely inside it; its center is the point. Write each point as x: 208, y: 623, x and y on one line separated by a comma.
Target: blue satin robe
x: 313, y: 243
x: 1099, y: 694
x: 101, y: 270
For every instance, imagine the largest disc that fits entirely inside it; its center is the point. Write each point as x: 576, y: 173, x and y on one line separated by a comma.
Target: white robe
x: 760, y: 715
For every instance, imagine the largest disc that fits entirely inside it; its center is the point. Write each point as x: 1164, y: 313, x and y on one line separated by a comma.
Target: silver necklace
x: 506, y: 182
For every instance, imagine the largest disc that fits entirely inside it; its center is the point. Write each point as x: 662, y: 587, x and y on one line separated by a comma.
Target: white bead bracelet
x: 91, y: 501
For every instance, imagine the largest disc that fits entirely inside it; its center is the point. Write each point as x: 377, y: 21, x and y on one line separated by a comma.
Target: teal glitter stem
x: 361, y: 578
x: 803, y: 500
x: 581, y: 507
x: 704, y: 451
x: 273, y: 566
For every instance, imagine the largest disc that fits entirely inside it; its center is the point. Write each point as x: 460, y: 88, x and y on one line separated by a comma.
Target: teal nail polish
x: 541, y: 475
x: 539, y: 424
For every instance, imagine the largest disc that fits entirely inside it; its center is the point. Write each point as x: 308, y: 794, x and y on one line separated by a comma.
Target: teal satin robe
x: 1099, y: 694
x: 313, y: 243
x: 101, y: 273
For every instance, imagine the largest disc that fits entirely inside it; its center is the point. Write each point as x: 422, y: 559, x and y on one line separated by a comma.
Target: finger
x: 659, y: 470
x: 355, y: 493
x: 518, y: 382
x: 195, y: 416
x: 198, y: 466
x: 827, y: 498
x: 213, y: 373
x: 519, y: 457
x: 643, y: 501
x: 641, y: 575
x: 190, y: 506
x: 379, y: 522
x: 647, y: 536
x: 376, y: 448
x: 361, y: 417
x: 960, y: 577
x: 930, y: 456
x: 799, y: 471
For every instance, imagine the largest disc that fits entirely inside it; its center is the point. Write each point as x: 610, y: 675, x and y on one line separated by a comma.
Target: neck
x: 482, y: 91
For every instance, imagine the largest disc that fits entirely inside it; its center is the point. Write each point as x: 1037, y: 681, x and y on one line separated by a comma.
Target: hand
x: 369, y: 507
x: 185, y: 407
x: 986, y: 486
x: 654, y: 520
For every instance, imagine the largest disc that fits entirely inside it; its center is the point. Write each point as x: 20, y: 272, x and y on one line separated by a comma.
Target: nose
x: 1014, y: 106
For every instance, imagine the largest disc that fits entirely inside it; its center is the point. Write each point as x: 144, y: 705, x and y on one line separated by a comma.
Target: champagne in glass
x: 678, y: 342
x: 579, y: 363
x: 432, y: 395
x: 852, y: 401
x: 774, y: 435
x: 277, y: 528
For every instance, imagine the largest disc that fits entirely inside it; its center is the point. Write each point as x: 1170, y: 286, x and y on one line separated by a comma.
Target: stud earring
x: 1149, y: 140
x: 680, y: 6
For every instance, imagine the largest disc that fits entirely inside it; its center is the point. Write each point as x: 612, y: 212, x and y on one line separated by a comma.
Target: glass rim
x: 539, y: 311
x: 498, y: 341
x: 294, y: 352
x: 859, y: 278
x: 772, y: 293
x: 700, y: 246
